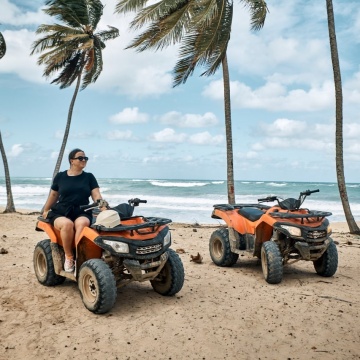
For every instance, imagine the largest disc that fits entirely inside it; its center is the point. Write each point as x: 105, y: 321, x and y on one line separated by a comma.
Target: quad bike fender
x: 53, y: 233
x: 263, y: 233
x: 234, y: 220
x: 86, y: 248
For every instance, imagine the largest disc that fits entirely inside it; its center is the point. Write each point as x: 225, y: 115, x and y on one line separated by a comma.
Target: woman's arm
x: 51, y: 200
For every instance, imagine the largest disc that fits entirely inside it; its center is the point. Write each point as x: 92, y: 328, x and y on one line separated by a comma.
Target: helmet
x: 108, y: 218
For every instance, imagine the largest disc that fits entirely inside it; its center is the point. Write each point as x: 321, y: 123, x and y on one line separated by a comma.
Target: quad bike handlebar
x: 103, y: 203
x: 290, y: 203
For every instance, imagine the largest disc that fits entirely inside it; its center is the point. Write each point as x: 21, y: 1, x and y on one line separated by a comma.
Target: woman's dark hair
x: 73, y: 153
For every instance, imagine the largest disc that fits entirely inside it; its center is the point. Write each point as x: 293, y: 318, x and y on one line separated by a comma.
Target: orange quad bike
x: 137, y: 248
x: 280, y: 234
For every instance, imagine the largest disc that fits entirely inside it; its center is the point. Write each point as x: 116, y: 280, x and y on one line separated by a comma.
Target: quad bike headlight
x: 119, y: 247
x: 167, y: 238
x: 293, y: 231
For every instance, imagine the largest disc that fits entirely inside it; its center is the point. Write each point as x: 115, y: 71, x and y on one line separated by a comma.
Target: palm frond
x: 91, y: 73
x: 70, y: 71
x: 258, y: 11
x: 110, y: 34
x: 158, y: 11
x: 205, y: 46
x: 124, y: 6
x: 2, y: 46
x: 164, y: 32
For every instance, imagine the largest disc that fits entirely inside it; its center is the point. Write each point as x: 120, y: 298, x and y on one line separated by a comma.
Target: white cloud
x: 274, y: 96
x: 168, y: 135
x: 12, y: 15
x: 178, y: 119
x: 129, y: 116
x: 283, y: 128
x: 16, y: 150
x: 205, y: 138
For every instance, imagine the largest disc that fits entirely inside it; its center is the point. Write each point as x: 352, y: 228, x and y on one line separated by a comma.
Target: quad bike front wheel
x: 271, y: 262
x: 44, y: 265
x: 327, y: 264
x: 171, y: 277
x: 97, y: 286
x: 220, y: 250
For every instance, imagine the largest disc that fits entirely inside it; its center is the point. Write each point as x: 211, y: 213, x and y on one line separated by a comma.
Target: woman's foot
x: 69, y: 265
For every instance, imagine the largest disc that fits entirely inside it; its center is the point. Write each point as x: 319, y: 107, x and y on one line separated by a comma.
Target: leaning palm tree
x: 2, y: 46
x: 202, y: 27
x: 10, y: 207
x: 354, y: 229
x: 72, y: 50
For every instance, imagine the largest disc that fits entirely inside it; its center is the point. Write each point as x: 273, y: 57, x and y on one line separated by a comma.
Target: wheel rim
x: 218, y: 249
x: 89, y: 288
x: 264, y: 263
x: 41, y: 265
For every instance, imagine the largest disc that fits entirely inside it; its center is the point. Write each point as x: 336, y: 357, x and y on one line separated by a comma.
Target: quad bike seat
x: 251, y: 213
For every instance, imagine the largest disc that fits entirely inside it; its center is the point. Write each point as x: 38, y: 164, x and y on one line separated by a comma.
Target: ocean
x: 189, y: 201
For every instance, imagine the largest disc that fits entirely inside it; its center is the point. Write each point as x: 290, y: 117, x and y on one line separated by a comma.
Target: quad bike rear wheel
x: 327, y: 265
x: 97, y: 286
x: 271, y: 262
x: 44, y: 265
x: 220, y: 250
x: 171, y: 277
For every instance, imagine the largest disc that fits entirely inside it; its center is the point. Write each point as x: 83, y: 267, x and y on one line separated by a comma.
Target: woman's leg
x: 80, y: 223
x: 66, y: 228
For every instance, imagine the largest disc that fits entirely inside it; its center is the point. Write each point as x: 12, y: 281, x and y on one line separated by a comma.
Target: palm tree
x: 354, y: 229
x: 10, y: 207
x: 202, y: 27
x: 2, y: 46
x: 73, y: 49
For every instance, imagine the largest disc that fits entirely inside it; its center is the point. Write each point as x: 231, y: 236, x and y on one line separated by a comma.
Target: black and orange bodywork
x: 250, y: 225
x: 145, y: 238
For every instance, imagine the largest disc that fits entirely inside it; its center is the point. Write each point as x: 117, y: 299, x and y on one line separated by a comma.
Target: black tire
x: 271, y: 262
x: 171, y: 277
x: 97, y: 286
x: 220, y: 250
x: 44, y: 265
x: 327, y: 265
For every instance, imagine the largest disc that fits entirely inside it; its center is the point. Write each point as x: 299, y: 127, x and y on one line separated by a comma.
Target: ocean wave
x: 276, y: 184
x: 178, y: 184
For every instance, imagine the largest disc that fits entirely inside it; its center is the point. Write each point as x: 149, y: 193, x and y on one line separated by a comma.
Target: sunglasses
x: 81, y: 158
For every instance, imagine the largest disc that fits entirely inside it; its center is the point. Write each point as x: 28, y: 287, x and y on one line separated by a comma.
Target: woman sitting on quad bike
x: 69, y: 190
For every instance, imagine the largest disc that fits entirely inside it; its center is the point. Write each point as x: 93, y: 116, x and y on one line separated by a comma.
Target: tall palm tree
x: 202, y: 27
x: 354, y: 229
x: 2, y: 46
x: 72, y: 50
x: 10, y: 207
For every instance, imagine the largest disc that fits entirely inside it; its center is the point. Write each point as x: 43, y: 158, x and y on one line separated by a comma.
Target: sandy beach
x: 221, y: 313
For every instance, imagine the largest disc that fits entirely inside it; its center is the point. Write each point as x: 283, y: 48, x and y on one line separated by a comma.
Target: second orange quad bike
x: 136, y: 248
x: 278, y: 234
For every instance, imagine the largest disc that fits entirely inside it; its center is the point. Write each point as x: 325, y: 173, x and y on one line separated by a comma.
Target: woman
x: 69, y: 190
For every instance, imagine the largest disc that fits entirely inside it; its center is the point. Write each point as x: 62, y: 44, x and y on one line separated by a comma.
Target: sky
x: 132, y: 123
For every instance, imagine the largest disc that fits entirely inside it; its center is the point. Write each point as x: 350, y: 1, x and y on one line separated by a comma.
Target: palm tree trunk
x: 67, y: 129
x: 10, y: 207
x: 354, y: 229
x: 228, y: 132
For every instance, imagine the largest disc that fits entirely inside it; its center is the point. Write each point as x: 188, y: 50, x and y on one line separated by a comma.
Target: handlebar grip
x: 143, y: 201
x: 84, y: 207
x: 269, y: 198
x: 308, y: 192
